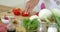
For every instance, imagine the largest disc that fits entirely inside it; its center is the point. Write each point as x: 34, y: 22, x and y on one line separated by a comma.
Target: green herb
x: 57, y: 21
x: 25, y: 23
x: 31, y: 25
x: 47, y: 20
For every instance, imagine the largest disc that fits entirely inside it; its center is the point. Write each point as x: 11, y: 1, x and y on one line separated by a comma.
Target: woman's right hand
x: 30, y: 5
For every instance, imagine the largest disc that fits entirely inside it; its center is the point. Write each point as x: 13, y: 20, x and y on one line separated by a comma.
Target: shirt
x: 51, y: 4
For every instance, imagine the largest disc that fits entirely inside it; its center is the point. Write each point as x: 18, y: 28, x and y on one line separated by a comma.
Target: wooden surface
x: 5, y: 8
x: 4, y: 11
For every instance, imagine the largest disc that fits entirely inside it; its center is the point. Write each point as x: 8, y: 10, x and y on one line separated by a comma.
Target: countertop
x: 4, y: 11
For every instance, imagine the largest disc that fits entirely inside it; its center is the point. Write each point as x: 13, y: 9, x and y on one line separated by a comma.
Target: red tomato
x: 16, y: 11
x: 3, y: 27
x: 6, y: 18
x: 37, y: 13
x: 25, y: 14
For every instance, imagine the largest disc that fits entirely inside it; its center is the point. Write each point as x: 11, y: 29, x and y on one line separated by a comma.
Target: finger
x: 30, y: 9
x: 27, y: 6
x: 31, y: 5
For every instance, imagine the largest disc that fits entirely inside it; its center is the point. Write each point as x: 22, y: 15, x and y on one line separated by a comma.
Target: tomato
x: 3, y: 27
x: 6, y: 18
x: 37, y: 13
x: 16, y: 11
x: 25, y: 14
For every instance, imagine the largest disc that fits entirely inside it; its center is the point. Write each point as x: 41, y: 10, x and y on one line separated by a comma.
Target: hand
x: 30, y: 5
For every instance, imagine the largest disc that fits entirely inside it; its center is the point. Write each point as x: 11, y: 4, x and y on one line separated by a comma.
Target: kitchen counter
x: 5, y: 10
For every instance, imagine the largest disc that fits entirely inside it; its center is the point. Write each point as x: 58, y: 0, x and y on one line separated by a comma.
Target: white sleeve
x: 38, y: 6
x: 52, y: 4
